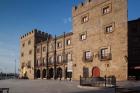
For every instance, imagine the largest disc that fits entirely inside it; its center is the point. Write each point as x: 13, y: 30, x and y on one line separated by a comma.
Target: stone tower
x: 100, y: 39
x: 27, y: 49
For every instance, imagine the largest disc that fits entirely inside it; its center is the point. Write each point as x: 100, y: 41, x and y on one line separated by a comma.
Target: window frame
x: 85, y: 18
x: 109, y: 28
x: 104, y: 8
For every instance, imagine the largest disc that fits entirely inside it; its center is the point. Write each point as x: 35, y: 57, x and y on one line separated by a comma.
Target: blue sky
x: 18, y: 17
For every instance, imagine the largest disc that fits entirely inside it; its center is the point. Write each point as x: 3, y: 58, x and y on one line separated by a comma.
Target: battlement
x: 81, y: 5
x: 34, y: 31
x: 84, y: 6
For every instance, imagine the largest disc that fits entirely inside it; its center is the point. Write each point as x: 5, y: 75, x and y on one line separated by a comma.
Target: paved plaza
x: 49, y: 86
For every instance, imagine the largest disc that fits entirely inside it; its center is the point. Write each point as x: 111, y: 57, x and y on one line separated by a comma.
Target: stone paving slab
x: 48, y: 86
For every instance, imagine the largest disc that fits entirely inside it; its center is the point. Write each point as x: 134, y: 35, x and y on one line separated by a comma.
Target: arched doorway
x: 96, y: 72
x: 44, y: 73
x: 51, y: 73
x: 59, y: 72
x: 38, y: 73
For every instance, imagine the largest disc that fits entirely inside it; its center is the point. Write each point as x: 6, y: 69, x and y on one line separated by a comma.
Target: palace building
x: 97, y: 46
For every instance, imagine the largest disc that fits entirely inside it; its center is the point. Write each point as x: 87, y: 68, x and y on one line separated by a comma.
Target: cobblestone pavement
x: 49, y: 86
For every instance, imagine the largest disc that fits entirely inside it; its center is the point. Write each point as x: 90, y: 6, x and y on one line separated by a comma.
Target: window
x: 23, y: 44
x: 109, y: 29
x: 105, y: 54
x: 87, y: 56
x: 29, y: 42
x: 59, y: 58
x: 85, y: 19
x: 106, y: 9
x: 29, y: 64
x: 30, y: 52
x: 22, y: 54
x: 83, y: 37
x: 44, y: 49
x: 51, y: 60
x: 68, y: 42
x: 59, y: 45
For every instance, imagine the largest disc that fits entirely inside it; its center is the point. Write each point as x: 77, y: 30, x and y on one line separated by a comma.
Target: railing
x: 4, y: 90
x: 98, y: 81
x: 107, y: 56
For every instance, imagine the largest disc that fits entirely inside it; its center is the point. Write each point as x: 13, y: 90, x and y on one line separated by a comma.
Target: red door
x: 96, y: 72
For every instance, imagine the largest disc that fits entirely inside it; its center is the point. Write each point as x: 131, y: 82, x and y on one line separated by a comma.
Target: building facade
x: 97, y: 47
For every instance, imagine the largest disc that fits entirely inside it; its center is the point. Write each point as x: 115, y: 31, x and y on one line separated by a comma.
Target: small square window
x: 109, y: 29
x: 85, y: 18
x: 83, y: 37
x: 106, y: 9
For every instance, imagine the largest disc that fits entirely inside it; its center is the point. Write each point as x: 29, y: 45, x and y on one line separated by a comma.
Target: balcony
x: 107, y: 56
x: 90, y: 59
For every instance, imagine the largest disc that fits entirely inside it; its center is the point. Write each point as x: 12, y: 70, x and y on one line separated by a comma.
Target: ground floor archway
x: 44, y: 73
x: 59, y: 72
x: 38, y: 73
x: 50, y: 73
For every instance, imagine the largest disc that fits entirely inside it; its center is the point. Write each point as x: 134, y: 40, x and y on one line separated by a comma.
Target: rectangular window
x: 106, y: 9
x: 44, y: 49
x: 51, y: 59
x: 109, y: 29
x: 85, y: 19
x: 23, y: 44
x: 88, y: 56
x: 30, y: 52
x: 83, y: 37
x: 68, y: 42
x: 59, y: 58
x: 59, y: 45
x: 29, y: 42
x: 105, y: 54
x: 22, y: 54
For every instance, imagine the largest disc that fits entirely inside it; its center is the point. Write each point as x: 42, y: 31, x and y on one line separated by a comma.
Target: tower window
x: 68, y: 42
x: 106, y: 9
x: 109, y: 29
x: 83, y: 37
x: 29, y: 42
x: 85, y: 18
